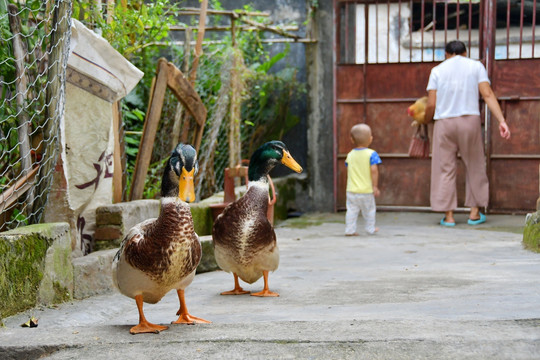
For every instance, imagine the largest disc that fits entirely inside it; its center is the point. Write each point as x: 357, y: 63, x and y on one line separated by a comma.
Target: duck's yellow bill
x: 186, y: 188
x: 288, y: 161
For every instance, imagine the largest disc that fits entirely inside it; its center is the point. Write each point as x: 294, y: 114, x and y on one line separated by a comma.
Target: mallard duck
x: 159, y: 255
x: 244, y: 240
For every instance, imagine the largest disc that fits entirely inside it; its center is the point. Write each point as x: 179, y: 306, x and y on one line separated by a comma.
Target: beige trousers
x: 464, y: 135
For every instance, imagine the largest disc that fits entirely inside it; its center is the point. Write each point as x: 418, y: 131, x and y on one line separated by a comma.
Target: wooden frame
x: 168, y: 76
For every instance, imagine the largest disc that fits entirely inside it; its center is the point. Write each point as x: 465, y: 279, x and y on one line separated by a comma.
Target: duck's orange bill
x: 186, y: 188
x: 288, y: 161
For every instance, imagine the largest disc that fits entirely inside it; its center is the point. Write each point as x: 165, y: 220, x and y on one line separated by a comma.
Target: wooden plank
x: 90, y: 85
x: 19, y: 188
x: 185, y: 93
x: 198, y: 45
x: 117, y: 160
x: 149, y: 132
x: 235, y: 142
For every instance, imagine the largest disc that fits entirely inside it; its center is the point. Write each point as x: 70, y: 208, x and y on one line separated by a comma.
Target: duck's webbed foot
x: 190, y: 320
x: 237, y: 288
x: 185, y: 317
x: 146, y: 327
x: 265, y: 292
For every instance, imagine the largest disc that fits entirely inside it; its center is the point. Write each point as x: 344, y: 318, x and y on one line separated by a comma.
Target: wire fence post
x: 55, y: 96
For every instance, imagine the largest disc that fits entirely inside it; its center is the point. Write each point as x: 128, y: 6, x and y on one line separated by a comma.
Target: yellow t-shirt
x: 358, y: 164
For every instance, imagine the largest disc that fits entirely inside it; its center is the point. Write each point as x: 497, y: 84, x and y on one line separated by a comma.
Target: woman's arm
x: 493, y: 105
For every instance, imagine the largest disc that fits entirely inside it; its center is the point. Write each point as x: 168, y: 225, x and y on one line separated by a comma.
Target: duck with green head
x: 244, y: 240
x: 162, y: 254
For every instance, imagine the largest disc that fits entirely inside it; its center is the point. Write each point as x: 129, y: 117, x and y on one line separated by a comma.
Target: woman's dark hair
x: 455, y: 47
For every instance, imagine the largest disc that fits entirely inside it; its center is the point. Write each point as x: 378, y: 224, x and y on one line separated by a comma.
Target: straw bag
x: 419, y: 147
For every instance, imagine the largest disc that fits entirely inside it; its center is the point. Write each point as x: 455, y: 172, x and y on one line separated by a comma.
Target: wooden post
x: 21, y: 88
x: 199, y: 127
x: 55, y: 98
x: 181, y: 133
x: 117, y: 160
x: 149, y: 131
x: 235, y: 111
x: 110, y: 11
x: 198, y: 46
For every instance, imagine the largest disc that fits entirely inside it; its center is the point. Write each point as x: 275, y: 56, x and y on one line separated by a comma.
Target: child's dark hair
x: 455, y: 47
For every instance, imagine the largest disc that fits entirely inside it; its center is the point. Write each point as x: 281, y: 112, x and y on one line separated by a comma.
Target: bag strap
x: 422, y: 131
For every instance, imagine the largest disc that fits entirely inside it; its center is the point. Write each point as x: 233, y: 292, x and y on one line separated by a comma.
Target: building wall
x: 320, y: 131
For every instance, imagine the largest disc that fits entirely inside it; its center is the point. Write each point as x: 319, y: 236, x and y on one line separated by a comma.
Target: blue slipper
x: 444, y: 223
x: 479, y: 221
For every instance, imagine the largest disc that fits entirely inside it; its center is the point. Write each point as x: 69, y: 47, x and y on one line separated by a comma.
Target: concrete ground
x: 413, y: 291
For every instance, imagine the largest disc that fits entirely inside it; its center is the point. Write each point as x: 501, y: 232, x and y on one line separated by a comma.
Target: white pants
x: 355, y: 204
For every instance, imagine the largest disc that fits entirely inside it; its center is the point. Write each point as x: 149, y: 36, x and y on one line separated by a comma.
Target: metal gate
x: 385, y: 51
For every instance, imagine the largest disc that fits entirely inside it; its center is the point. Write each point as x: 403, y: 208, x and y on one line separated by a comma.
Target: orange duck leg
x: 265, y: 292
x: 237, y: 288
x: 144, y: 326
x: 185, y: 317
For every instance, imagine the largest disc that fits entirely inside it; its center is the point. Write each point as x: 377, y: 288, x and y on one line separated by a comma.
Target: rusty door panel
x: 514, y: 184
x: 513, y: 164
x: 350, y: 82
x: 390, y: 126
x: 404, y: 181
x: 342, y: 182
x: 389, y: 122
x: 347, y: 115
x: 516, y: 78
x: 397, y: 81
x: 523, y: 118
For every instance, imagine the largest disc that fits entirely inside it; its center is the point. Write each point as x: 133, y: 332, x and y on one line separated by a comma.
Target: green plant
x: 267, y: 111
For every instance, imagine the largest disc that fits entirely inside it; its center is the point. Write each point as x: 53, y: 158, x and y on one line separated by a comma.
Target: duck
x: 244, y: 240
x: 162, y: 254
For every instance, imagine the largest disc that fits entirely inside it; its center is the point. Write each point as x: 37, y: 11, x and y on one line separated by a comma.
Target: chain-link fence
x: 34, y: 47
x: 233, y: 80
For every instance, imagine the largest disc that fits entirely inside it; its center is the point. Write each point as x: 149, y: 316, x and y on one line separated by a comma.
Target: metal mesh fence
x: 33, y: 61
x: 34, y: 46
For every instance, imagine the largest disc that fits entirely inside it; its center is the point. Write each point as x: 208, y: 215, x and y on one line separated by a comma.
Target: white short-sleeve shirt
x: 456, y: 81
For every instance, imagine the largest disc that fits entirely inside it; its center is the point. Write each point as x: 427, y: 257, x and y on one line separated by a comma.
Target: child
x: 362, y: 181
